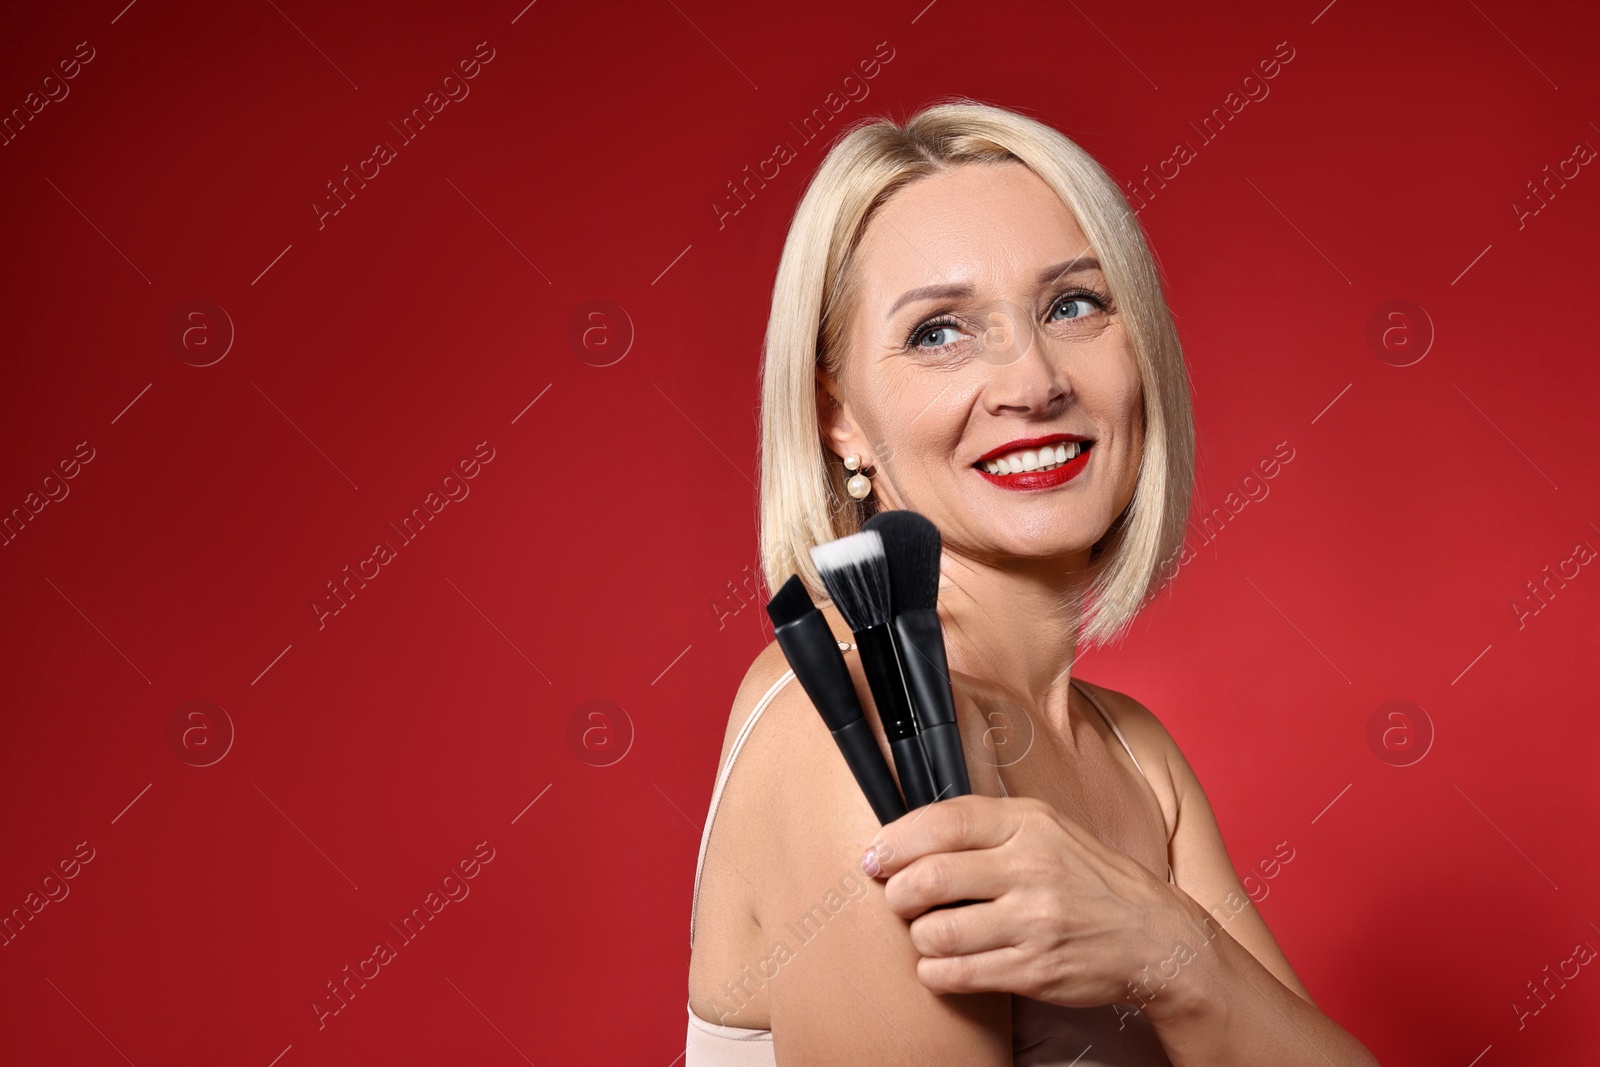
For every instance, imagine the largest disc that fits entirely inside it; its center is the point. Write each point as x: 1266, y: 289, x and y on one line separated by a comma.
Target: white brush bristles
x: 856, y: 548
x: 856, y: 572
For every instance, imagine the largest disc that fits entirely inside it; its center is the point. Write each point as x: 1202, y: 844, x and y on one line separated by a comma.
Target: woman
x: 967, y: 322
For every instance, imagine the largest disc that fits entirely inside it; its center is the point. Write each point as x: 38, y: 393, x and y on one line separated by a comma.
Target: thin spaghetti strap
x: 1171, y: 875
x: 1111, y: 723
x: 722, y: 780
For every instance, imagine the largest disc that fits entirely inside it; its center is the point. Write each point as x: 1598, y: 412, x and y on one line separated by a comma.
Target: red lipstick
x: 1029, y: 442
x: 1036, y: 480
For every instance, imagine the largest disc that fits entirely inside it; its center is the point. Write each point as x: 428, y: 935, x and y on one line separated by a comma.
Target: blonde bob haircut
x: 802, y: 497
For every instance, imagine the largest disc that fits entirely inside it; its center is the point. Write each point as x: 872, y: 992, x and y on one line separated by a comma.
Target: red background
x: 370, y: 355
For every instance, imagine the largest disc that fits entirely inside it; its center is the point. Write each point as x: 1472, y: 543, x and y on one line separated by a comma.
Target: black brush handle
x: 809, y: 646
x: 946, y: 761
x: 861, y: 752
x: 882, y: 666
x: 813, y: 653
x: 921, y: 639
x: 912, y: 765
x: 881, y: 663
x: 920, y: 636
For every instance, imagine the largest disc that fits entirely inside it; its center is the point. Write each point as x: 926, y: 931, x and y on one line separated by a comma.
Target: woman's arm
x: 840, y: 970
x: 1233, y: 997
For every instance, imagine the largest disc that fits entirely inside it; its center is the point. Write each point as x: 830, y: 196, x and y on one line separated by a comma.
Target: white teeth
x: 1030, y: 460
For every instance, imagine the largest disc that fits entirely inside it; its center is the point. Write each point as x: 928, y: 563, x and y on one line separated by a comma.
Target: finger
x: 943, y: 826
x: 1000, y: 969
x: 963, y: 931
x: 945, y: 877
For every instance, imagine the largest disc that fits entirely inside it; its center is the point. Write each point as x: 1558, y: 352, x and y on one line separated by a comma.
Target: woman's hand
x: 1061, y: 915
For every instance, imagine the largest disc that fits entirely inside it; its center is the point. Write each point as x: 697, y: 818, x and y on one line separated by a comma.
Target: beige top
x: 1042, y: 1034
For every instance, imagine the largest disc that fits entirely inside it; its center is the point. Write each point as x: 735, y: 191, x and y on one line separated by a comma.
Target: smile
x: 1042, y: 459
x: 1036, y: 465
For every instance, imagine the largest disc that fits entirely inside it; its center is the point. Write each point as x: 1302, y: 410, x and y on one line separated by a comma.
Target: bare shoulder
x: 790, y: 781
x: 827, y: 956
x: 766, y: 671
x: 769, y: 814
x: 1167, y: 768
x: 785, y: 709
x: 1155, y: 748
x: 1199, y: 855
x: 1130, y: 714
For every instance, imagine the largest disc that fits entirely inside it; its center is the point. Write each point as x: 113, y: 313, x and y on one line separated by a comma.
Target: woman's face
x: 984, y: 339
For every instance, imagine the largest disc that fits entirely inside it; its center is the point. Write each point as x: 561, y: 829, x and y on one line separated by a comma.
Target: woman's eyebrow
x: 927, y: 292
x: 1076, y: 265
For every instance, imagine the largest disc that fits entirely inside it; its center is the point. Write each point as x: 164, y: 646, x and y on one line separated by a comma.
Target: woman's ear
x: 833, y: 418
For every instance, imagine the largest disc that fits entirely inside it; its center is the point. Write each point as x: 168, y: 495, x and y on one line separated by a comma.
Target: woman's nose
x: 1022, y: 375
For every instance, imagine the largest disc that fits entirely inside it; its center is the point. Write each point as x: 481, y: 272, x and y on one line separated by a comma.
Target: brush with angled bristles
x: 809, y: 646
x: 911, y: 545
x: 856, y: 573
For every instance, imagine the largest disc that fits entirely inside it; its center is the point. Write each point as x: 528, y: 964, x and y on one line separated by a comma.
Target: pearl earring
x: 859, y: 485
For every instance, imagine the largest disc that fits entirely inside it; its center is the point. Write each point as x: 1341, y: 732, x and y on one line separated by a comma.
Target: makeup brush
x: 912, y: 547
x: 911, y: 544
x: 809, y: 646
x: 856, y: 573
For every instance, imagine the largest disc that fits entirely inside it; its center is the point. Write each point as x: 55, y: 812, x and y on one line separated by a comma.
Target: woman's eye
x: 943, y: 333
x: 1088, y: 307
x: 935, y: 335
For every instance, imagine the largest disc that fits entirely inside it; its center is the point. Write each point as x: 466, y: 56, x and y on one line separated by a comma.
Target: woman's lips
x: 1034, y: 480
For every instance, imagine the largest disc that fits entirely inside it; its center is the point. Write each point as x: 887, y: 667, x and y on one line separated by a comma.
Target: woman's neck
x: 1014, y: 625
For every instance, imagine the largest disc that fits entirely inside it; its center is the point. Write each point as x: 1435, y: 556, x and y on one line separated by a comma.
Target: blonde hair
x: 802, y: 497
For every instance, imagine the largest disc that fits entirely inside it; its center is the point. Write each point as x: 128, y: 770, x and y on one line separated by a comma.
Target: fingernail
x: 869, y: 863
